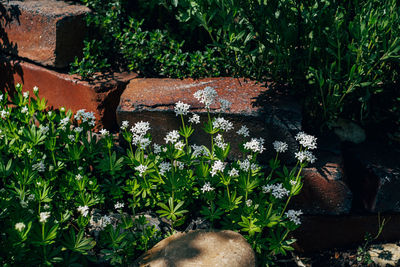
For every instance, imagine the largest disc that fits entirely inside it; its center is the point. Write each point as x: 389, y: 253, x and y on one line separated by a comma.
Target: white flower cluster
x: 217, y: 166
x: 249, y: 202
x: 25, y: 94
x: 40, y: 167
x: 84, y: 210
x: 243, y: 131
x: 195, y: 119
x: 20, y: 226
x: 78, y: 177
x: 305, y: 156
x: 172, y: 137
x: 199, y: 151
x: 78, y: 129
x: 35, y: 89
x: 277, y: 190
x: 219, y: 142
x: 24, y: 110
x: 63, y: 123
x: 104, y: 132
x: 206, y: 96
x: 44, y: 216
x: 1, y: 97
x: 156, y: 148
x: 125, y: 125
x: 141, y: 169
x: 119, y: 205
x: 233, y: 172
x: 4, y: 113
x: 181, y: 108
x: 44, y: 129
x: 293, y: 215
x: 280, y: 147
x: 179, y: 145
x: 165, y: 167
x: 179, y: 164
x: 255, y: 145
x: 139, y: 130
x: 223, y: 124
x: 85, y: 117
x: 207, y: 187
x: 307, y: 141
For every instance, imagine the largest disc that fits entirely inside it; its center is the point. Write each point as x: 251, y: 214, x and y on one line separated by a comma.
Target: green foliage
x: 68, y: 197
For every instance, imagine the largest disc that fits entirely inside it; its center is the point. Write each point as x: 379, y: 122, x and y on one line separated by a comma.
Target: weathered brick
x: 63, y: 90
x: 325, y: 189
x: 47, y: 32
x: 153, y: 100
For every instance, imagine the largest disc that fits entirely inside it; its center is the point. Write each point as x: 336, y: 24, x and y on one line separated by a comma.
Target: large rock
x: 374, y: 176
x: 325, y: 190
x: 47, y: 32
x: 153, y: 100
x: 63, y: 90
x: 200, y: 248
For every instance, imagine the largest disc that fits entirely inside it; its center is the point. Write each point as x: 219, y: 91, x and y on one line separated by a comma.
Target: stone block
x: 374, y: 176
x: 153, y: 100
x: 325, y: 190
x: 200, y: 248
x: 63, y: 90
x: 47, y: 32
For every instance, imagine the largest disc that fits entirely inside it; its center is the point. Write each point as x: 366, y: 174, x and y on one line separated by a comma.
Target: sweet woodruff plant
x: 69, y: 195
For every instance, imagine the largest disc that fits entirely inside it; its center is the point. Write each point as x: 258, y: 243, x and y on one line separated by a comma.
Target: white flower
x: 164, y: 167
x: 46, y: 206
x: 181, y: 108
x: 172, y: 137
x: 84, y: 210
x: 277, y: 190
x: 243, y: 131
x: 222, y: 124
x: 225, y: 104
x: 140, y: 141
x: 233, y: 172
x: 1, y: 97
x: 50, y: 113
x: 125, y: 124
x: 255, y: 144
x: 279, y: 146
x: 219, y: 142
x: 78, y: 129
x: 35, y: 89
x: 179, y: 164
x: 29, y: 151
x: 31, y: 197
x: 249, y: 202
x: 207, y: 187
x: 293, y: 182
x: 44, y: 216
x: 195, y: 119
x: 71, y: 137
x: 40, y: 167
x: 104, y: 132
x: 306, y: 140
x: 206, y: 96
x: 20, y: 226
x: 217, y: 166
x: 62, y: 109
x: 305, y: 156
x: 198, y: 151
x: 4, y: 114
x: 140, y: 128
x: 179, y: 145
x: 293, y: 215
x: 85, y: 117
x: 141, y: 169
x: 24, y: 110
x: 64, y: 122
x: 244, y: 165
x: 157, y: 148
x: 119, y: 205
x: 25, y: 94
x: 78, y: 177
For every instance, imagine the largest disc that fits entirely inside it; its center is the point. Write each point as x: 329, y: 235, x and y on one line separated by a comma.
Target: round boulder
x: 200, y: 248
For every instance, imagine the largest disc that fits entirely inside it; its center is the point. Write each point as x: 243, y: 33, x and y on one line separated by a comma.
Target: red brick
x: 153, y: 100
x: 63, y: 90
x: 47, y: 32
